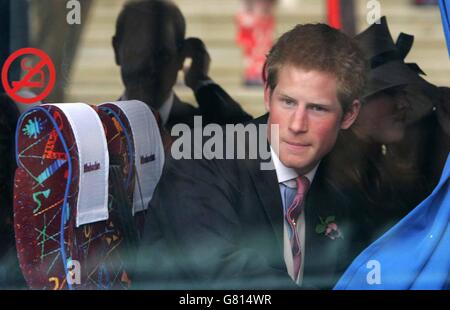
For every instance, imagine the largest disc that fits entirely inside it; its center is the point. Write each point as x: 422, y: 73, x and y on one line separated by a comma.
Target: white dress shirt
x: 287, y: 177
x: 164, y: 110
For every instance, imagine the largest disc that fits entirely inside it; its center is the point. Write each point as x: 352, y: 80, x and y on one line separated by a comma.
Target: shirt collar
x: 164, y: 110
x: 286, y: 174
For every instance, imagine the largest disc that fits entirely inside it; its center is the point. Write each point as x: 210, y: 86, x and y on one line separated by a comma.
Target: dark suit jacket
x: 10, y: 274
x: 9, y: 114
x: 214, y: 105
x: 219, y: 224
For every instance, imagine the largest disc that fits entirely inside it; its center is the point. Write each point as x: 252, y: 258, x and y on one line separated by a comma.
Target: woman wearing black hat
x: 380, y: 163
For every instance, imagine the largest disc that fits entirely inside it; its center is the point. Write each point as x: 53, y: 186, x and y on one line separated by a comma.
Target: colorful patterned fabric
x: 121, y: 177
x: 53, y: 253
x: 144, y: 156
x: 120, y: 143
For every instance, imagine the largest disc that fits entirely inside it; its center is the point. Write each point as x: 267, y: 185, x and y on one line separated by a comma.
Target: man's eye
x: 288, y: 102
x: 318, y: 108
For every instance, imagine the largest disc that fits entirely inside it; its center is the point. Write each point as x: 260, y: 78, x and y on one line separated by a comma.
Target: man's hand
x: 195, y: 49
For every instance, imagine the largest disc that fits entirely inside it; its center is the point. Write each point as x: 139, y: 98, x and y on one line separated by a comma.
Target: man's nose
x: 299, y: 121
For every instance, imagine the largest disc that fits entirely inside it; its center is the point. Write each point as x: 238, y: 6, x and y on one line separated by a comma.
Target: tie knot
x: 302, y: 185
x: 295, y: 208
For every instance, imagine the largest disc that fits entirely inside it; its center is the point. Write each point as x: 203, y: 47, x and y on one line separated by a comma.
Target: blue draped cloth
x: 414, y: 254
x: 445, y: 13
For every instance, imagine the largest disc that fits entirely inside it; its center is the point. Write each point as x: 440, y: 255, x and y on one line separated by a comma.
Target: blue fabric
x: 414, y: 254
x: 445, y: 13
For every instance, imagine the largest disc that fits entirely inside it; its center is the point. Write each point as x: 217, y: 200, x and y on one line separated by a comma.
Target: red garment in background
x: 334, y: 13
x: 255, y: 35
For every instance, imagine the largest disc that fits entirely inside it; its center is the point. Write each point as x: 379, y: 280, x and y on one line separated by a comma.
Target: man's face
x: 305, y: 106
x: 149, y: 60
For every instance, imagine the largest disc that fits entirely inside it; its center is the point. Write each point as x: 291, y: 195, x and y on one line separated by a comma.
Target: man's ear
x: 351, y: 114
x: 267, y: 95
x: 115, y: 45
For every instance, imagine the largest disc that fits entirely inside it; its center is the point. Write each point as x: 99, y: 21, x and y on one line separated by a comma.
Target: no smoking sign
x: 34, y: 77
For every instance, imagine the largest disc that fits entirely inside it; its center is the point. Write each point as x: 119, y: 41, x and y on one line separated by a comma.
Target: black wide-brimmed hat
x: 376, y: 40
x: 389, y: 75
x: 387, y: 59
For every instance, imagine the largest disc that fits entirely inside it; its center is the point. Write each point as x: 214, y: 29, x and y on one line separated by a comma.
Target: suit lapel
x: 322, y: 253
x: 267, y: 188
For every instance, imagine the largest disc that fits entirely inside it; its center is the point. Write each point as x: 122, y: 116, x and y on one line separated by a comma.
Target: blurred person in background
x: 255, y: 23
x: 150, y: 47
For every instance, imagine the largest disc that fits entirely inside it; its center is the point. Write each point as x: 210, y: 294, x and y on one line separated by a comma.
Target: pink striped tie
x: 293, y: 212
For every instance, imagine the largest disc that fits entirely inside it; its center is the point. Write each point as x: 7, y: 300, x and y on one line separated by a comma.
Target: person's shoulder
x: 181, y: 113
x: 183, y: 107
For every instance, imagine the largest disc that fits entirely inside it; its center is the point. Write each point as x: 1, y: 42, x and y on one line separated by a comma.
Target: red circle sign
x: 12, y: 90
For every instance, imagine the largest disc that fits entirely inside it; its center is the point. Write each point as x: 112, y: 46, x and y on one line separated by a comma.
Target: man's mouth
x: 296, y: 146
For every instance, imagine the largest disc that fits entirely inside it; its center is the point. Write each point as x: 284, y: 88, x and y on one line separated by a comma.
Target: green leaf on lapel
x: 320, y: 228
